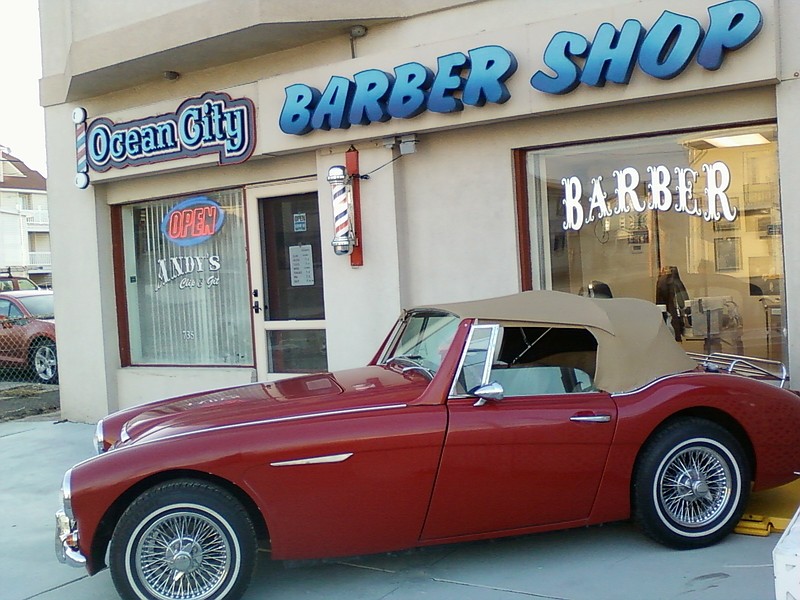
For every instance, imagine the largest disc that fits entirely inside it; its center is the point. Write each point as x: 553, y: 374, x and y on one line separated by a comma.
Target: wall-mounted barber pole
x: 346, y: 199
x: 343, y: 236
x: 82, y: 165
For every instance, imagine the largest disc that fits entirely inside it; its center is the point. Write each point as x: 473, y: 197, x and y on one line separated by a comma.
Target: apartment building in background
x: 24, y: 221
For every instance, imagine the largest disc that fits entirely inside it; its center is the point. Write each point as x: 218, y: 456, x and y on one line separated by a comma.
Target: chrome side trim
x: 347, y: 411
x: 647, y: 385
x: 317, y: 460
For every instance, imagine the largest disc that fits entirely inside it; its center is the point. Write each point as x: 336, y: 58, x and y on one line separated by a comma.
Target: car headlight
x: 99, y: 438
x: 66, y: 494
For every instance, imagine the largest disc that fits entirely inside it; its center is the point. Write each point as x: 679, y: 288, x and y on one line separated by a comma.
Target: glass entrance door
x: 284, y: 254
x: 288, y: 298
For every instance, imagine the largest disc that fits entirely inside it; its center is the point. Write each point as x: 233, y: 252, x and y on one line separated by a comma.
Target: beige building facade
x: 485, y: 147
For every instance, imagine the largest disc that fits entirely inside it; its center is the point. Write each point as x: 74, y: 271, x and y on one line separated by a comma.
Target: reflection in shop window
x: 297, y: 351
x: 186, y: 281
x: 690, y: 221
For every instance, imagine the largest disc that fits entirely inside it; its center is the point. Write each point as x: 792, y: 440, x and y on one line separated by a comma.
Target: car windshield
x: 40, y: 307
x: 423, y: 340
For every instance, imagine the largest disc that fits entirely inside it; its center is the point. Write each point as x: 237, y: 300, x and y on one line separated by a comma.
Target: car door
x: 533, y: 458
x: 12, y: 332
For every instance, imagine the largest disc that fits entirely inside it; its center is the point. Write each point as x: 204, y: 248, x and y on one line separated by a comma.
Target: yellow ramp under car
x: 770, y: 510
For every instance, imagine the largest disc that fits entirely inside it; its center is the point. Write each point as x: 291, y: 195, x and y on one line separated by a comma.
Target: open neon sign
x: 193, y: 221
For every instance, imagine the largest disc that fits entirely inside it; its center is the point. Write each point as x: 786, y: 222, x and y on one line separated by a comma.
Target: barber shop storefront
x: 271, y: 215
x: 689, y: 220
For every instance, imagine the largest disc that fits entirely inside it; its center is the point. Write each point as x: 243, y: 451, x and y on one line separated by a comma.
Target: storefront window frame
x: 117, y: 218
x: 531, y: 242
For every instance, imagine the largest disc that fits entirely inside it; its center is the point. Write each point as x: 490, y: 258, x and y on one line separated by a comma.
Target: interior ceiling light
x: 735, y: 141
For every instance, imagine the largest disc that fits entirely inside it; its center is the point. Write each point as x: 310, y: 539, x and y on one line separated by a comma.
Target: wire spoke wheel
x: 691, y: 483
x: 183, y: 555
x: 694, y: 487
x: 183, y: 540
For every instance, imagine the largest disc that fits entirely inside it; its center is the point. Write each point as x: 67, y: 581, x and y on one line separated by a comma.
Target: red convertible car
x: 520, y: 414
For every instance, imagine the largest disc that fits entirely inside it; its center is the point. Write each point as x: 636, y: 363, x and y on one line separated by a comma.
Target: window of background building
x: 186, y: 282
x: 690, y: 221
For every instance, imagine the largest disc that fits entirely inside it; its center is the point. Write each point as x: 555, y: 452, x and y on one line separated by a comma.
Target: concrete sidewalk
x: 614, y: 562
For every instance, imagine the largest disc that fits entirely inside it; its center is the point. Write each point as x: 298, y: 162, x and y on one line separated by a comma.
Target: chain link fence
x: 28, y: 368
x: 27, y: 351
x: 28, y: 354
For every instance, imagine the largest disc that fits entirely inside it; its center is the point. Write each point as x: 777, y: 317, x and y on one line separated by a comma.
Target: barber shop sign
x: 213, y: 123
x: 668, y: 189
x: 479, y: 76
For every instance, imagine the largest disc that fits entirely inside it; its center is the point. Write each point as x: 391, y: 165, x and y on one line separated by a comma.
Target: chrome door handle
x: 590, y: 418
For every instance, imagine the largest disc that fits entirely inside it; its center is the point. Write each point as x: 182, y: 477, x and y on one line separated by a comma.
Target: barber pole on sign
x: 82, y: 165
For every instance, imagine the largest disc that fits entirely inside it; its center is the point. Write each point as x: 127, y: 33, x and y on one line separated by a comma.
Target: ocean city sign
x: 213, y: 123
x: 479, y: 76
x: 582, y: 209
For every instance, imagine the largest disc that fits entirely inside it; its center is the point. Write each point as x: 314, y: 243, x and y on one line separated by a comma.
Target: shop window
x: 186, y: 281
x: 690, y: 221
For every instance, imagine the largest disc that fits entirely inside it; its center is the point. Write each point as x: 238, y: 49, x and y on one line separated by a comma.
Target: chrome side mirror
x: 484, y: 393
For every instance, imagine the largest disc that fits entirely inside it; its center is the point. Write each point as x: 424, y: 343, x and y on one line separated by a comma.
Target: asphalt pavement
x: 20, y: 400
x: 613, y: 562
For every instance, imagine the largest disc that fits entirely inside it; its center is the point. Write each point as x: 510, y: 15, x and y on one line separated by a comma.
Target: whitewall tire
x: 691, y: 484
x: 183, y: 540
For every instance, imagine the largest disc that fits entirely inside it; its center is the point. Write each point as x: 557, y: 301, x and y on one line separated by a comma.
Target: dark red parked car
x: 526, y: 413
x: 28, y: 333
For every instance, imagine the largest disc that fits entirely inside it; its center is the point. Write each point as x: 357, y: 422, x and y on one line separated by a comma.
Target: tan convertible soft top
x: 634, y: 346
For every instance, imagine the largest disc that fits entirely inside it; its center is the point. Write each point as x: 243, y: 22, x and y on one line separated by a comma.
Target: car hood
x: 298, y: 396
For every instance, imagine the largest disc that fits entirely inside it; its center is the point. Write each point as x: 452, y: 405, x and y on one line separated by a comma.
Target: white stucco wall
x: 85, y: 311
x: 362, y: 303
x: 788, y: 154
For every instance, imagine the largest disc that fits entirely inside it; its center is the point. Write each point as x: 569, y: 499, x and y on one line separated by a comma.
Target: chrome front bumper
x: 67, y: 542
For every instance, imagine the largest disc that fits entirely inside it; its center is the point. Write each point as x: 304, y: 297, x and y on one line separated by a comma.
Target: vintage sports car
x: 520, y: 414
